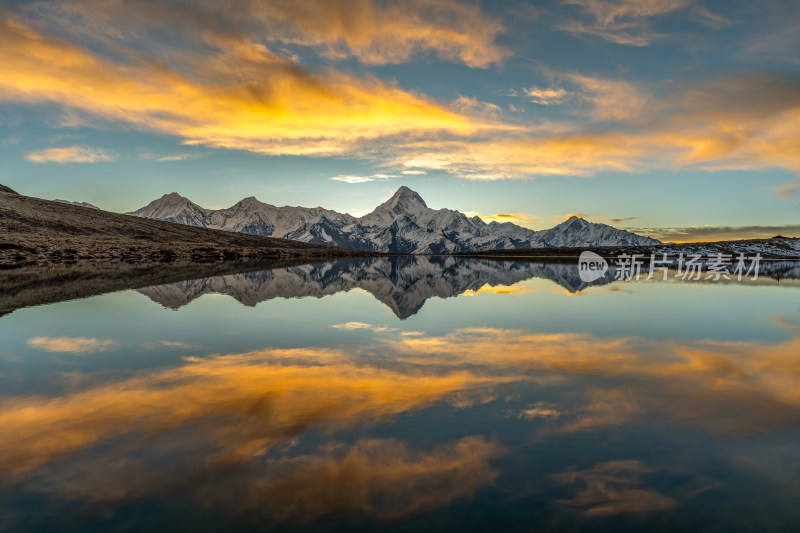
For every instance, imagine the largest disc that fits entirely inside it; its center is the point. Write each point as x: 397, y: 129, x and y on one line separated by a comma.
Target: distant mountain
x: 79, y: 204
x: 402, y: 224
x: 576, y: 231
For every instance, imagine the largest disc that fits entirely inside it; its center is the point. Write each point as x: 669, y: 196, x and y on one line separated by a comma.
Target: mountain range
x: 403, y: 224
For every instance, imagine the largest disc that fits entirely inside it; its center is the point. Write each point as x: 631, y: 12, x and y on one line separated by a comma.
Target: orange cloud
x: 739, y: 123
x: 245, y: 96
x: 543, y: 96
x: 251, y: 100
x: 515, y: 216
x: 226, y: 82
x: 622, y: 21
x: 613, y: 488
x: 349, y: 326
x: 241, y: 412
x: 244, y: 404
x: 385, y: 479
x: 71, y: 154
x: 508, y: 290
x: 609, y: 99
x: 380, y: 33
x: 523, y: 157
x: 373, y: 32
x: 75, y: 345
x: 379, y: 477
x: 730, y: 387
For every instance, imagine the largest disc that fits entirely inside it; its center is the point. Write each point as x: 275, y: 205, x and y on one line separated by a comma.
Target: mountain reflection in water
x: 403, y: 283
x: 315, y: 415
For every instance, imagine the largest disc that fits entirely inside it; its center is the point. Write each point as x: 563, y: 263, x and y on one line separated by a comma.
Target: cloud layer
x: 265, y: 78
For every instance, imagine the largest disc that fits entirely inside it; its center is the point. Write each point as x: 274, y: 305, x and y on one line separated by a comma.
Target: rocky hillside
x: 35, y: 231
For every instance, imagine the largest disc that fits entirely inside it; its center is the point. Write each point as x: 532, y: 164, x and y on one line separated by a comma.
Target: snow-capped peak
x: 573, y: 223
x: 173, y: 207
x: 407, y: 199
x: 403, y: 202
x: 575, y: 231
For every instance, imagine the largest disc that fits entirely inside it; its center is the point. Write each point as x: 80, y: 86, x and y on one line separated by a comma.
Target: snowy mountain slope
x: 173, y: 207
x: 402, y: 224
x: 577, y: 232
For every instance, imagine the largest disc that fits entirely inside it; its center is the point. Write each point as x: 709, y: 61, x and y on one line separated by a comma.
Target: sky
x: 678, y: 119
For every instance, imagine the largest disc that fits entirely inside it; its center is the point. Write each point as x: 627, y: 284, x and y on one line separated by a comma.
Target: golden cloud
x: 507, y: 290
x: 379, y: 477
x: 384, y: 479
x: 730, y: 387
x: 393, y: 33
x: 250, y: 100
x: 350, y: 326
x: 719, y: 125
x: 515, y: 216
x: 622, y: 21
x: 373, y: 32
x: 523, y: 157
x: 270, y: 396
x: 75, y: 345
x: 71, y: 154
x: 614, y: 488
x: 221, y: 84
x: 609, y: 99
x: 242, y: 412
x: 265, y: 398
x: 543, y: 96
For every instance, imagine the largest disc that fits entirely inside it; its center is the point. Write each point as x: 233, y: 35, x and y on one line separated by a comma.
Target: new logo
x: 591, y: 266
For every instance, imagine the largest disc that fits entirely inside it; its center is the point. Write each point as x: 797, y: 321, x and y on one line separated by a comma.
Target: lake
x: 405, y: 394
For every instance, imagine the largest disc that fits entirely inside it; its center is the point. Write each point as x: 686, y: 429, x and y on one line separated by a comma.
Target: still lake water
x: 402, y: 395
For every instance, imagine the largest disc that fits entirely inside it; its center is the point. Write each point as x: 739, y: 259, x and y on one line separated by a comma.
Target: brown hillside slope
x: 42, y: 232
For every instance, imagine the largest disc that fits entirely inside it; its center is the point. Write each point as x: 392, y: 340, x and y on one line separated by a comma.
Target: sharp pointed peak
x: 406, y: 195
x: 171, y: 199
x: 573, y: 218
x: 403, y: 190
x: 250, y: 200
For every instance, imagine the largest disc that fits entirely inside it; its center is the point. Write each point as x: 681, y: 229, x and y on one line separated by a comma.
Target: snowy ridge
x: 402, y: 224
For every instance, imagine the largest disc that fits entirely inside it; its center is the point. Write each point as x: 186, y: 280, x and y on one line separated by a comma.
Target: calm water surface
x: 402, y: 395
